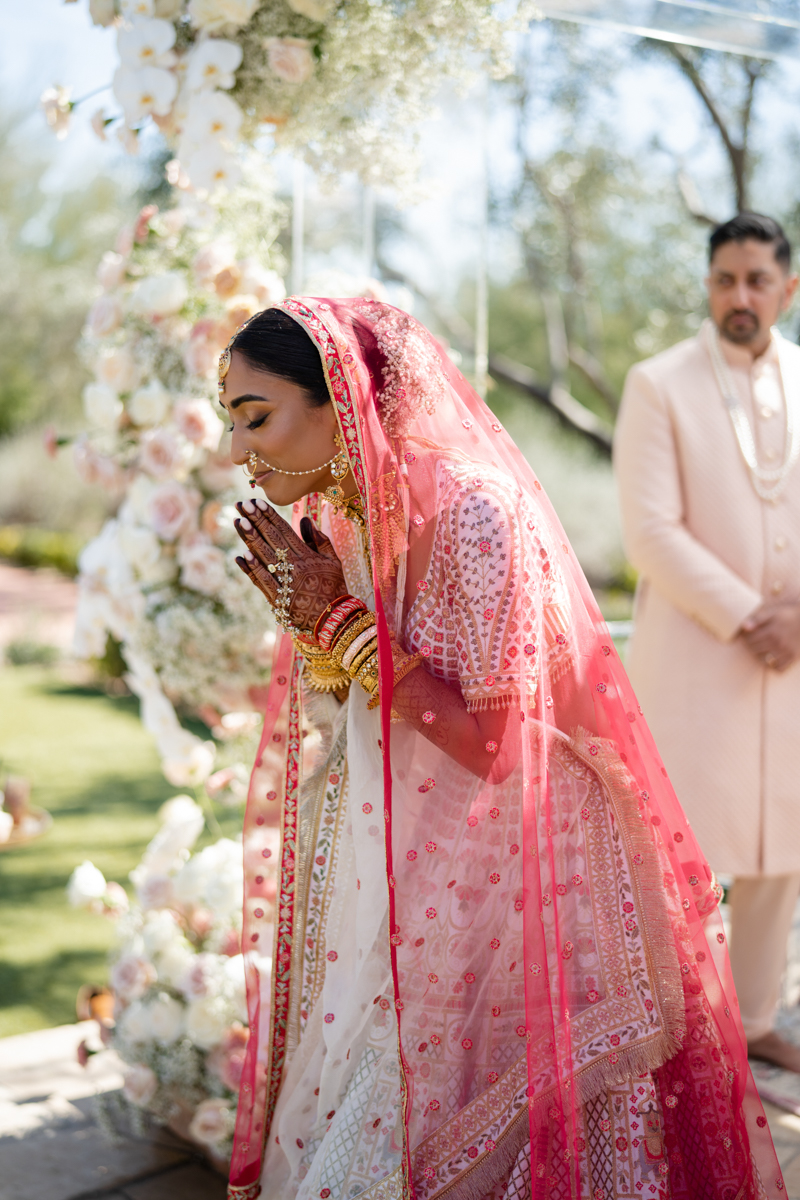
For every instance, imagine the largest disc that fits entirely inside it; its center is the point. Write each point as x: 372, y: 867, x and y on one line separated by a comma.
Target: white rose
x: 215, y: 878
x: 172, y: 510
x: 149, y: 404
x: 161, y: 453
x: 212, y: 258
x: 207, y: 1021
x: 140, y: 1085
x: 198, y: 423
x: 104, y: 316
x: 117, y: 369
x: 160, y: 929
x: 86, y: 883
x: 178, y: 833
x: 159, y: 295
x: 212, y: 64
x: 111, y: 271
x: 174, y: 962
x: 147, y: 42
x: 290, y: 58
x: 212, y: 115
x: 133, y: 1024
x: 166, y: 1017
x: 267, y: 285
x: 213, y: 14
x: 213, y: 167
x: 102, y: 12
x: 101, y: 405
x: 142, y: 549
x: 202, y: 977
x: 202, y: 567
x: 187, y: 761
x: 131, y: 976
x: 144, y: 92
x: 315, y: 10
x: 212, y: 1123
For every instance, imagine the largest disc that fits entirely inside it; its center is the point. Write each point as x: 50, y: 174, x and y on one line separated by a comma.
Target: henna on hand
x: 317, y: 573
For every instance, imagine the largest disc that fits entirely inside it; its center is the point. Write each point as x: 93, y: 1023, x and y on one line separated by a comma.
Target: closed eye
x: 255, y: 424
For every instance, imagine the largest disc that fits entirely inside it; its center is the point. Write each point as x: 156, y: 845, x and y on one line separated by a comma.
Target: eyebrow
x: 243, y: 400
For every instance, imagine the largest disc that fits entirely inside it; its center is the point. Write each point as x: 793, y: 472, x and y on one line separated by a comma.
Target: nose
x: 239, y: 450
x: 741, y: 294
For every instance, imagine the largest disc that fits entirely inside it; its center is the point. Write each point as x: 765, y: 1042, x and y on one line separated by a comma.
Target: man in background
x: 706, y: 454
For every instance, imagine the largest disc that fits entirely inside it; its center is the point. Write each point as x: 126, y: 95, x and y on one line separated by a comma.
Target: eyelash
x: 250, y: 424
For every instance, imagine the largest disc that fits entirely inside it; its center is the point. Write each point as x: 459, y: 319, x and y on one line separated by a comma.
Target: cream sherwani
x: 708, y: 550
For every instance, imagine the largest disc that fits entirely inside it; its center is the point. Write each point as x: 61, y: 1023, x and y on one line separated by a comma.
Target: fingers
x: 323, y: 544
x: 258, y: 574
x: 307, y: 533
x: 277, y: 533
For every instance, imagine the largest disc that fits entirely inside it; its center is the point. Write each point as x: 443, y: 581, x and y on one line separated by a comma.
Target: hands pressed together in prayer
x: 772, y: 635
x: 486, y: 743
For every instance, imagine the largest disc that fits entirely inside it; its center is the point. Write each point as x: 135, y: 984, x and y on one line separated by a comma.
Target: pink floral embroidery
x: 561, y: 888
x: 333, y: 778
x: 366, y: 808
x: 429, y: 1173
x: 495, y: 943
x: 433, y: 978
x: 606, y: 650
x: 332, y: 956
x: 491, y: 746
x: 495, y: 1010
x: 430, y: 847
x: 520, y: 1031
x: 328, y: 1018
x: 601, y: 687
x: 467, y: 424
x: 567, y: 951
x: 418, y: 520
x: 469, y: 977
x: 637, y: 858
x: 488, y: 616
x: 429, y: 717
x: 434, y: 1106
x: 484, y: 547
x: 272, y: 795
x: 530, y: 648
x: 466, y: 1043
x: 425, y: 651
x: 536, y: 969
x: 430, y: 913
x: 577, y: 880
x: 472, y: 822
x: 494, y: 877
x: 496, y: 427
x: 513, y: 849
x: 409, y: 457
x: 422, y: 585
x: 435, y: 1039
x: 412, y: 854
x: 592, y: 996
x: 494, y: 813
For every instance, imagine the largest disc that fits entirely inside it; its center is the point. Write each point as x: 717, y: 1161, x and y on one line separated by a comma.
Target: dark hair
x: 274, y: 342
x: 752, y: 225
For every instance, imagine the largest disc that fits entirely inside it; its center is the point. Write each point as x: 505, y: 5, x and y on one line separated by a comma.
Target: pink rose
x: 155, y: 892
x: 172, y: 510
x: 290, y: 58
x: 202, y: 567
x: 200, y: 358
x: 211, y: 259
x: 231, y: 944
x: 111, y: 271
x: 198, y: 423
x: 226, y: 282
x: 226, y: 1061
x: 196, y: 981
x: 131, y: 977
x: 142, y: 226
x: 216, y: 474
x: 104, y: 316
x: 212, y: 1122
x: 96, y: 468
x: 140, y: 1085
x: 160, y: 453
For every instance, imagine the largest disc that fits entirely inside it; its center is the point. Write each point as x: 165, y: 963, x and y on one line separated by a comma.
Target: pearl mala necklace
x: 768, y: 483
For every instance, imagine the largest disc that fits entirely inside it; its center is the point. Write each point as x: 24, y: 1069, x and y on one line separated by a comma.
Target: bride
x: 499, y: 968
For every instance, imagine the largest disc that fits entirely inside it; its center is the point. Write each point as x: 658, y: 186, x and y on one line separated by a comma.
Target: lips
x: 260, y: 479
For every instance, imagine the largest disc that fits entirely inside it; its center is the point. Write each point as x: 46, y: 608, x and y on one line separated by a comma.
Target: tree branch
x: 593, y: 373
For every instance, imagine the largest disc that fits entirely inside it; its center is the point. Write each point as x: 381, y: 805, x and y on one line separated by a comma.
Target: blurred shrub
x: 26, y: 653
x: 30, y: 547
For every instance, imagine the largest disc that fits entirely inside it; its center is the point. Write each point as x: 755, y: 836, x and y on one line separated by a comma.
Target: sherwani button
x: 776, y: 588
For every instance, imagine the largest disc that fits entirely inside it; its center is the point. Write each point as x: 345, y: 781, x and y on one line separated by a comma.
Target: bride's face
x: 275, y: 419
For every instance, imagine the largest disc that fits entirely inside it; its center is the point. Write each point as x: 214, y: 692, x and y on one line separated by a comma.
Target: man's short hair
x: 756, y: 226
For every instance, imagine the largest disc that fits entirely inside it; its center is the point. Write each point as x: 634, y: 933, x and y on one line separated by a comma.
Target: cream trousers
x: 761, y: 909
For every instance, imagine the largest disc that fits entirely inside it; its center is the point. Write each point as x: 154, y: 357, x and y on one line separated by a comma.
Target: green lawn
x: 93, y: 766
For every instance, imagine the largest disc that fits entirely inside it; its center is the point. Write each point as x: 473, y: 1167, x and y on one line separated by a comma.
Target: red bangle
x: 336, y: 620
x: 342, y: 629
x: 327, y: 611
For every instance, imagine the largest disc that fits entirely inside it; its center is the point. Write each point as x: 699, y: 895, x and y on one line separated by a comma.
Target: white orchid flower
x: 213, y: 64
x: 212, y: 116
x: 141, y: 93
x: 213, y: 167
x: 146, y: 43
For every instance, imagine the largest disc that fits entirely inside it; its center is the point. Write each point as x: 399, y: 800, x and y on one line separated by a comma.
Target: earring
x: 249, y: 467
x: 339, y: 468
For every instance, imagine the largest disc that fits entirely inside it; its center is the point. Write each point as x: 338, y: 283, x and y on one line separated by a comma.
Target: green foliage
x: 30, y: 547
x: 26, y: 653
x: 49, y: 247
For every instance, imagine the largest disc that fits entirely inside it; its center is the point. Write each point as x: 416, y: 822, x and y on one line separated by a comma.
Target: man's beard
x: 740, y: 326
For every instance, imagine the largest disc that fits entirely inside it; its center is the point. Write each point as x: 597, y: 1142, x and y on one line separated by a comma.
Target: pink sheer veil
x: 552, y: 933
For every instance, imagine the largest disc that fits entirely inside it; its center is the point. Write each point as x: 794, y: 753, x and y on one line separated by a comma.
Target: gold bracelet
x: 403, y: 665
x: 323, y: 675
x: 350, y: 635
x: 364, y: 653
x: 368, y: 675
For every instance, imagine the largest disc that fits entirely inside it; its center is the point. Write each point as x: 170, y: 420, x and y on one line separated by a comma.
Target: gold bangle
x: 350, y: 636
x: 323, y: 674
x: 403, y: 665
x: 368, y: 675
x: 364, y: 653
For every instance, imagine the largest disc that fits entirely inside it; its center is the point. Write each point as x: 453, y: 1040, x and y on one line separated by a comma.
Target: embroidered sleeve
x: 494, y: 600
